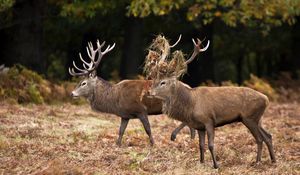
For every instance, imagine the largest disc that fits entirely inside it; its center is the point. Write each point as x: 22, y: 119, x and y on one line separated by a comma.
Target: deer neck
x: 173, y: 104
x: 103, y: 99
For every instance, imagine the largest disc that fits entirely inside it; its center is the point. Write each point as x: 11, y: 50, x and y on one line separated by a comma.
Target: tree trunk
x: 25, y: 47
x: 131, y: 61
x: 296, y: 48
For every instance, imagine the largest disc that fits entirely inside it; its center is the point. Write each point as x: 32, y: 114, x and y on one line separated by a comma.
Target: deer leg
x: 268, y: 140
x: 201, y: 134
x: 146, y: 124
x: 254, y: 129
x: 123, y: 126
x: 193, y: 133
x: 175, y: 132
x: 211, y: 134
x: 266, y: 133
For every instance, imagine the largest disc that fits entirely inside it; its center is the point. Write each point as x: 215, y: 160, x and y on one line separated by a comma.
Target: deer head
x: 163, y: 87
x: 88, y: 70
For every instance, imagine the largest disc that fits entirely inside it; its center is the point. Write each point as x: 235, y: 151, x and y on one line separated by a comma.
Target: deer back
x: 227, y: 104
x: 133, y: 98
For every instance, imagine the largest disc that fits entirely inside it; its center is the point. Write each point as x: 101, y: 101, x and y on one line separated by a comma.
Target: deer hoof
x: 173, y: 137
x: 151, y: 142
x: 216, y: 166
x: 118, y: 143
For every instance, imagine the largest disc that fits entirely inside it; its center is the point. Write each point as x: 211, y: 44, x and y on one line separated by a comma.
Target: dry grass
x: 68, y: 139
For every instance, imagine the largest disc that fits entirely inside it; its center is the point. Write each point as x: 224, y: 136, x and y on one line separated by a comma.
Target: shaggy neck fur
x: 173, y: 104
x: 103, y: 98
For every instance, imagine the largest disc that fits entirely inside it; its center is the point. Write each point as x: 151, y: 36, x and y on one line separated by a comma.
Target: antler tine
x: 90, y: 44
x: 70, y: 72
x: 90, y: 66
x: 84, y: 66
x: 82, y: 71
x: 109, y: 48
x: 85, y: 63
x: 197, y: 49
x: 101, y: 54
x: 78, y: 67
x: 100, y: 45
x: 73, y: 73
x: 206, y: 47
x: 88, y: 51
x: 194, y: 42
x: 91, y: 52
x: 176, y: 42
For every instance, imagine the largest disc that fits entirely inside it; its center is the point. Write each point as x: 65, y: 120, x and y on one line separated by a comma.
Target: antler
x: 158, y: 66
x: 166, y: 52
x: 90, y: 67
x: 197, y: 50
x: 176, y: 42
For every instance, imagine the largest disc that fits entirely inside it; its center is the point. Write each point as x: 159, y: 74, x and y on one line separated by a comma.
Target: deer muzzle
x: 74, y: 94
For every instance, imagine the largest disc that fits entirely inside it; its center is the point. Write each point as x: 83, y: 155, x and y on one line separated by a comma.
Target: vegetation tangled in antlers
x: 157, y: 63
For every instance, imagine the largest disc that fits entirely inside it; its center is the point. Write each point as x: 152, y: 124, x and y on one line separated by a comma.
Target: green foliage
x: 80, y: 10
x: 56, y: 69
x: 248, y: 13
x: 14, y: 72
x: 22, y: 85
x: 228, y: 83
x: 232, y: 12
x: 91, y: 19
x: 254, y: 82
x: 29, y: 75
x: 223, y: 83
x: 143, y: 8
x: 34, y: 94
x: 6, y: 4
x: 262, y: 86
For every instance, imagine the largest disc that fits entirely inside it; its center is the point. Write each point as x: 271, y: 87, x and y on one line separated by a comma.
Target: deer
x: 205, y: 108
x: 125, y: 99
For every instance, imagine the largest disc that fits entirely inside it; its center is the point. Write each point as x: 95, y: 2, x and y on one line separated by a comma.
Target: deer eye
x: 162, y: 83
x: 83, y: 83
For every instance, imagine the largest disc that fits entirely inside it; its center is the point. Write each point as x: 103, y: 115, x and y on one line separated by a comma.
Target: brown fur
x: 127, y: 99
x: 218, y: 104
x: 205, y: 108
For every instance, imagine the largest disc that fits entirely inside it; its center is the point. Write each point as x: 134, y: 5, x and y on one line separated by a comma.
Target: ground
x: 69, y: 139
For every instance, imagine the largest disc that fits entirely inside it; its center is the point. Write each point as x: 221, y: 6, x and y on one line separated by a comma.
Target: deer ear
x: 173, y: 81
x: 93, y: 74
